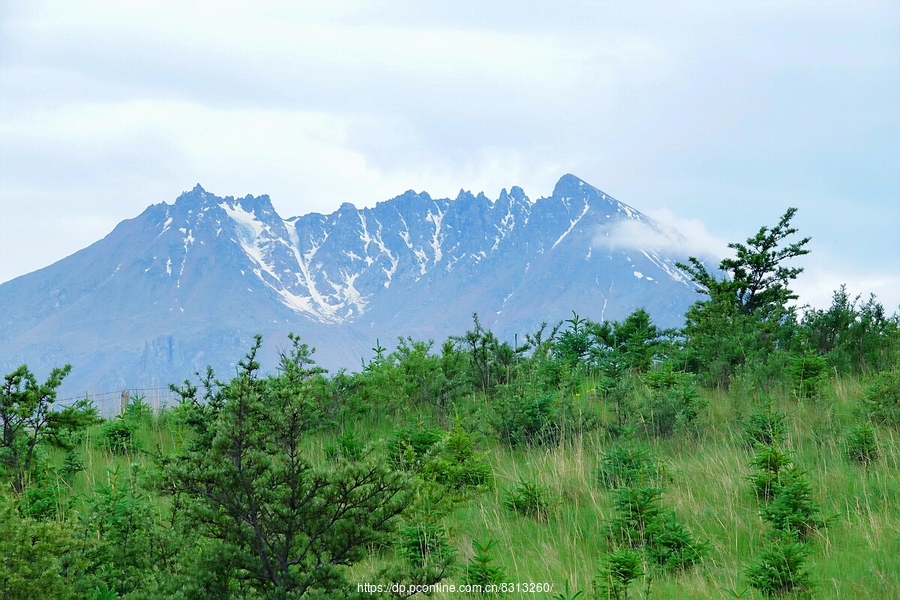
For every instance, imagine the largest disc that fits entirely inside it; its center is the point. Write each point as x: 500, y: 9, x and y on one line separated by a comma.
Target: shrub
x: 780, y: 568
x: 764, y: 426
x: 808, y: 373
x: 626, y: 465
x: 118, y: 435
x: 408, y: 447
x: 674, y: 407
x: 425, y: 544
x: 41, y: 500
x: 793, y: 510
x: 455, y: 462
x: 529, y: 499
x: 72, y: 464
x: 672, y: 546
x: 346, y: 446
x: 770, y: 464
x: 881, y: 401
x: 137, y: 411
x: 481, y: 569
x: 637, y: 513
x: 526, y: 416
x: 617, y: 571
x: 860, y: 444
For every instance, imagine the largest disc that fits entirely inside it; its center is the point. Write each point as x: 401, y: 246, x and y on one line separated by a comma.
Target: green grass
x: 855, y: 556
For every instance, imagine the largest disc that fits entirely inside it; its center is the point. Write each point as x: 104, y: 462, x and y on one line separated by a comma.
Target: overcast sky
x: 714, y: 117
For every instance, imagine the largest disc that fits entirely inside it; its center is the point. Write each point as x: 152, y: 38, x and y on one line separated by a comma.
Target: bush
x: 793, y: 510
x: 617, y: 571
x: 637, y: 513
x: 526, y: 416
x: 346, y: 446
x: 118, y: 435
x: 771, y: 464
x: 881, y: 401
x: 529, y: 499
x: 425, y: 544
x: 137, y: 411
x: 780, y: 568
x: 808, y: 373
x: 455, y: 463
x: 764, y: 426
x: 674, y: 408
x: 627, y: 465
x: 481, y: 569
x: 408, y: 447
x: 672, y: 546
x: 531, y: 414
x: 860, y: 444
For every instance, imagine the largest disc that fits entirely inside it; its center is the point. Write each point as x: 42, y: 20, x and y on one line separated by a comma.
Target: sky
x: 713, y: 117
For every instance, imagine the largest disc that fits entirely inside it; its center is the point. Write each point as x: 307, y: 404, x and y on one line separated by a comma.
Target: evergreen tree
x: 745, y: 315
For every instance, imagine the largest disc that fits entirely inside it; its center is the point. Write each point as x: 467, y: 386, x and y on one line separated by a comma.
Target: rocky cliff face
x: 188, y: 284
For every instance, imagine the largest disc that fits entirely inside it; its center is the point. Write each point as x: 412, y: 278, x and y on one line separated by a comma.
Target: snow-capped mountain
x: 187, y: 284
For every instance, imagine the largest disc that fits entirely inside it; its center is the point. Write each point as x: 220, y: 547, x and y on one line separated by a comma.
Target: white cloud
x: 669, y: 234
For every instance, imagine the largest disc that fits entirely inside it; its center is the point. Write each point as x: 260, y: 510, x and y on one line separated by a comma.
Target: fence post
x: 125, y: 397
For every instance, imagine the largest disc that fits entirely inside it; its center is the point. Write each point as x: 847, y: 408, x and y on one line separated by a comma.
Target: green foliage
x: 758, y: 281
x: 425, y: 544
x: 490, y: 361
x: 567, y: 594
x: 617, y: 572
x: 854, y: 337
x: 28, y: 420
x: 41, y: 499
x: 103, y: 593
x: 860, y: 445
x: 628, y: 465
x: 40, y: 559
x: 346, y: 446
x: 138, y: 411
x: 409, y: 447
x: 289, y: 527
x: 764, y: 426
x: 121, y: 518
x: 808, y: 373
x: 619, y: 394
x: 409, y: 377
x: 780, y: 568
x: 118, y: 435
x: 529, y: 499
x: 481, y: 569
x: 771, y: 466
x: 456, y: 463
x: 671, y: 408
x: 637, y: 512
x: 527, y: 416
x: 574, y: 345
x: 881, y: 401
x: 793, y: 510
x: 72, y: 464
x: 632, y: 343
x: 672, y: 546
x: 746, y: 313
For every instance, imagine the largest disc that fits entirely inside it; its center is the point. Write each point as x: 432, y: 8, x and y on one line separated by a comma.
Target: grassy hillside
x: 705, y: 478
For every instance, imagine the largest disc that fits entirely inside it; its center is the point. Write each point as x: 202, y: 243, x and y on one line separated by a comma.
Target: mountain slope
x: 188, y: 284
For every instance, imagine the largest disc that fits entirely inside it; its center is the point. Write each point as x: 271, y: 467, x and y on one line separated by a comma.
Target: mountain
x: 188, y: 284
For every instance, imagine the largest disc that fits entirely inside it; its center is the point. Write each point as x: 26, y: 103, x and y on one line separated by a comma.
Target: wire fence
x: 110, y: 404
